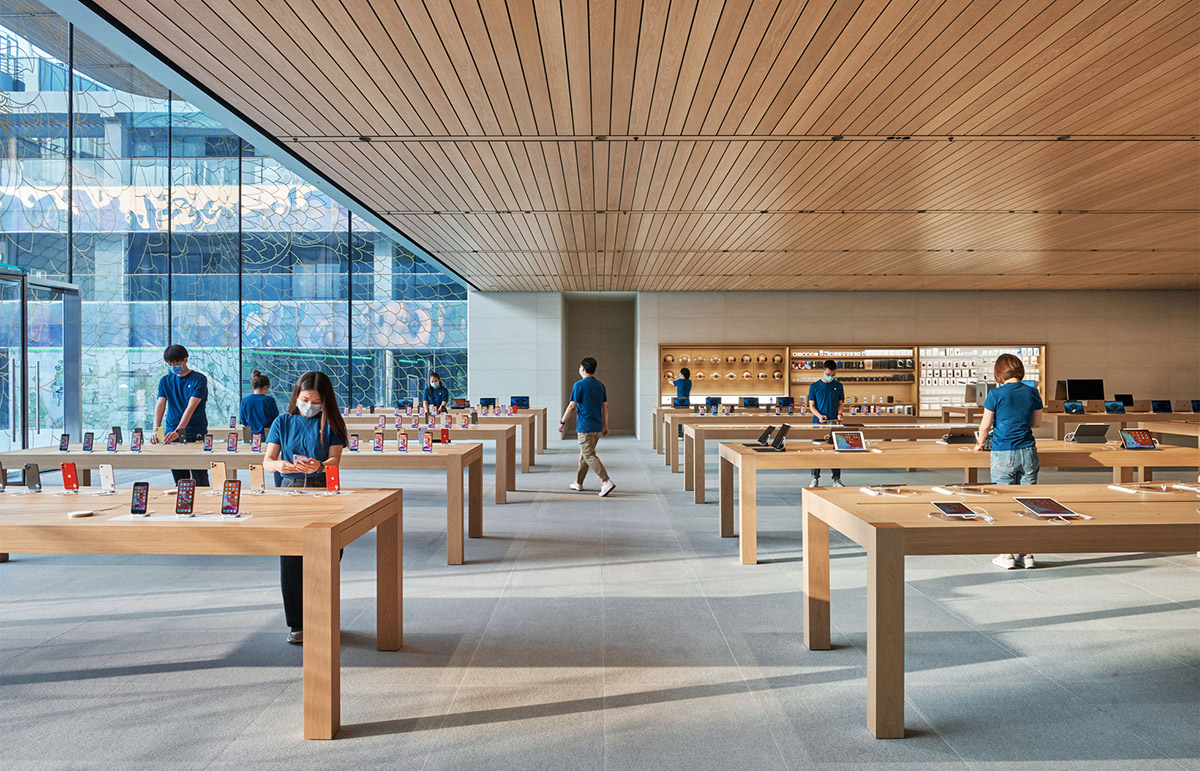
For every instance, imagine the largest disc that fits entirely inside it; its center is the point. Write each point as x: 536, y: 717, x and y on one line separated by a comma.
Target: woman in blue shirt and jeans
x: 304, y: 441
x: 1011, y: 412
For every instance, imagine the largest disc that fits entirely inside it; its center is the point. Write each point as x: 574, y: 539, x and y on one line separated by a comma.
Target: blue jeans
x: 1015, y: 467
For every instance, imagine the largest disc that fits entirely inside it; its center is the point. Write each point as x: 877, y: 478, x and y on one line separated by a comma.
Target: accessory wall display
x: 945, y: 371
x: 716, y: 358
x: 669, y: 359
x: 761, y: 358
x: 746, y: 358
x: 699, y: 375
x: 742, y: 370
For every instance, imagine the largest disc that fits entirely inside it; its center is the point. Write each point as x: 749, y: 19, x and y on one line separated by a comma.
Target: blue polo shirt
x: 1013, y: 405
x: 589, y: 396
x: 178, y: 391
x: 683, y: 387
x: 298, y: 435
x: 258, y: 411
x: 437, y: 396
x: 826, y: 396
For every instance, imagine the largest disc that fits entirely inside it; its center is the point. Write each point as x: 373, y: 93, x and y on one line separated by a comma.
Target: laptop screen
x: 1114, y: 408
x: 1073, y: 408
x: 1160, y: 405
x: 680, y: 401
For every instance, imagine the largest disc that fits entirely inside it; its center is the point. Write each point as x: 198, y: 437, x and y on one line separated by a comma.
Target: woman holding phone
x: 1010, y: 413
x: 304, y: 441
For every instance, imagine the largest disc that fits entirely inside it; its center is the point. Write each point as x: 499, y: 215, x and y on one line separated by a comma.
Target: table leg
x: 322, y: 634
x: 504, y: 465
x: 475, y: 498
x: 527, y: 453
x: 725, y: 497
x: 885, y: 631
x: 816, y: 583
x: 3, y: 556
x: 689, y: 452
x: 85, y: 477
x: 1122, y: 474
x: 748, y: 513
x: 656, y: 433
x: 1060, y: 429
x: 512, y: 461
x: 542, y: 417
x: 454, y: 513
x: 389, y: 582
x: 670, y: 445
x: 1145, y: 474
x: 971, y: 476
x: 698, y: 473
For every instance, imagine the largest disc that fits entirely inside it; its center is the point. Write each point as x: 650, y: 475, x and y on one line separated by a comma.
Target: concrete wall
x: 1145, y: 343
x: 515, y: 347
x: 603, y: 327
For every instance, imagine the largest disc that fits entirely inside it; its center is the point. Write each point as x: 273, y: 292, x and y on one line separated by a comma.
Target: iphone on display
x: 141, y: 496
x: 185, y: 497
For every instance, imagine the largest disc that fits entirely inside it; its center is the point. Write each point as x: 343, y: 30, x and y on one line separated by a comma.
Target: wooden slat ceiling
x: 736, y: 144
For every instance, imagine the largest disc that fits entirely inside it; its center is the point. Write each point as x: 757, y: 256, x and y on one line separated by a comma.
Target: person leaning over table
x: 437, y: 396
x: 304, y: 441
x: 182, y: 395
x: 825, y: 398
x: 258, y: 409
x: 1011, y: 412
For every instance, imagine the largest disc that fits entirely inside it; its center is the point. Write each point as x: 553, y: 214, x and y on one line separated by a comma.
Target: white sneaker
x: 814, y: 482
x: 577, y: 487
x: 1027, y: 562
x: 1006, y: 561
x: 838, y: 483
x: 607, y: 488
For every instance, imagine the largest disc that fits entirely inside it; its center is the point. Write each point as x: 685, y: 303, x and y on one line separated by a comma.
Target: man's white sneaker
x: 576, y: 487
x: 1027, y: 562
x: 607, y: 487
x: 814, y: 482
x: 1006, y: 561
x: 838, y: 483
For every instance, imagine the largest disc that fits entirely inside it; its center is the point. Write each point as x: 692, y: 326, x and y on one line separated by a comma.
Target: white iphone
x: 108, y: 482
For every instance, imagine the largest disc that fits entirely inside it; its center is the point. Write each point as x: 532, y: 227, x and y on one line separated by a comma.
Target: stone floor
x: 589, y: 633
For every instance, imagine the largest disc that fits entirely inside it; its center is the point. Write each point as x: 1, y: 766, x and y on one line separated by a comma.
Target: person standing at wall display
x: 304, y: 441
x: 258, y: 409
x: 825, y: 399
x: 683, y: 385
x: 182, y: 394
x: 437, y: 396
x: 589, y: 400
x: 1010, y: 413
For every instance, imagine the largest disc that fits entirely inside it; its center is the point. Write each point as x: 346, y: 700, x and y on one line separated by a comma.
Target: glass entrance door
x: 12, y: 417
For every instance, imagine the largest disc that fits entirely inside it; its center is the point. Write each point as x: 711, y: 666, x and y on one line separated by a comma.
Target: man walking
x: 590, y: 402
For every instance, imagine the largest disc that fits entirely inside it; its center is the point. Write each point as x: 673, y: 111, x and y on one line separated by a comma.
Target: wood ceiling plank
x: 579, y: 71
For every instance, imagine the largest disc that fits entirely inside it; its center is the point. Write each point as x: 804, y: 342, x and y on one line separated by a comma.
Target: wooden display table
x: 314, y: 526
x: 694, y: 438
x: 656, y: 424
x: 761, y: 418
x: 1173, y: 428
x: 539, y: 413
x: 524, y: 421
x: 452, y: 458
x: 891, y: 528
x: 1063, y: 422
x: 804, y: 456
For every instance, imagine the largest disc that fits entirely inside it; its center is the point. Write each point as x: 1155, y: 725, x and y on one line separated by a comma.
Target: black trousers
x: 199, y: 475
x: 291, y: 567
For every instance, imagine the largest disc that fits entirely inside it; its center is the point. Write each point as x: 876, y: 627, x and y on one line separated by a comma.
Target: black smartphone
x: 116, y: 432
x: 88, y: 440
x: 141, y: 497
x: 33, y: 476
x: 765, y: 437
x: 354, y: 443
x: 64, y: 442
x: 185, y: 496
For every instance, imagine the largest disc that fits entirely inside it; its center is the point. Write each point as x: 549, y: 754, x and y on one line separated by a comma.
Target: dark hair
x: 174, y: 354
x: 432, y: 375
x: 685, y: 373
x: 1008, y: 366
x: 831, y: 364
x: 330, y: 416
x: 589, y: 365
x: 259, y: 380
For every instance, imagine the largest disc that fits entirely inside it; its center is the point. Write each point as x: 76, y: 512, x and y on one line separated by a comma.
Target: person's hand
x: 604, y: 431
x: 306, y: 465
x: 978, y: 448
x: 562, y: 427
x: 820, y: 418
x: 171, y: 437
x: 287, y: 468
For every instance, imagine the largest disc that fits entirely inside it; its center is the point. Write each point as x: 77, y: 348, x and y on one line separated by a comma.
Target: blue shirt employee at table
x: 303, y: 442
x: 437, y: 396
x: 825, y: 399
x: 258, y: 410
x: 182, y: 394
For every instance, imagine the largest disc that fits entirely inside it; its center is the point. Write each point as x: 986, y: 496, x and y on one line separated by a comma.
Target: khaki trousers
x: 588, y: 459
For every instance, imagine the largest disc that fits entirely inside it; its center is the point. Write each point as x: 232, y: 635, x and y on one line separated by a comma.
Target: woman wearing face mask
x: 303, y: 441
x: 437, y: 396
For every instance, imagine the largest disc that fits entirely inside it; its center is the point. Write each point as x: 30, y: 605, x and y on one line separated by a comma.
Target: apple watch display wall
x: 731, y: 371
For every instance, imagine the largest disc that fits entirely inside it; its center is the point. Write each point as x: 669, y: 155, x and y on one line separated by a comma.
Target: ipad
x: 1046, y: 507
x: 520, y: 402
x: 1073, y: 408
x: 849, y: 441
x: 1160, y: 405
x: 1114, y: 408
x: 955, y: 509
x: 1137, y: 439
x: 763, y: 439
x: 786, y: 401
x: 681, y: 401
x: 712, y: 401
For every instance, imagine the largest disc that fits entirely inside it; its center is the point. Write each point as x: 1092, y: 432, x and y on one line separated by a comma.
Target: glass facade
x: 178, y: 231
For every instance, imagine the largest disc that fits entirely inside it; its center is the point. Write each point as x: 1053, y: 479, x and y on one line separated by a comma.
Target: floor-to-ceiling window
x: 179, y: 231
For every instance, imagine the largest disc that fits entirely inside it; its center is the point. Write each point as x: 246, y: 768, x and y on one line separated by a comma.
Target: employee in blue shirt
x: 589, y: 400
x: 683, y: 386
x: 258, y: 410
x: 1010, y: 413
x: 437, y: 396
x: 825, y: 400
x: 182, y: 394
x: 303, y: 442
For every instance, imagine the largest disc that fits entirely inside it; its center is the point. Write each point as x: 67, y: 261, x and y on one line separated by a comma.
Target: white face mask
x: 828, y: 378
x: 308, y: 409
x: 435, y: 383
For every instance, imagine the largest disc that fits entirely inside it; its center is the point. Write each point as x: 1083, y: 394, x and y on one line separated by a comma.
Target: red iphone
x: 445, y: 436
x: 333, y: 480
x: 70, y: 478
